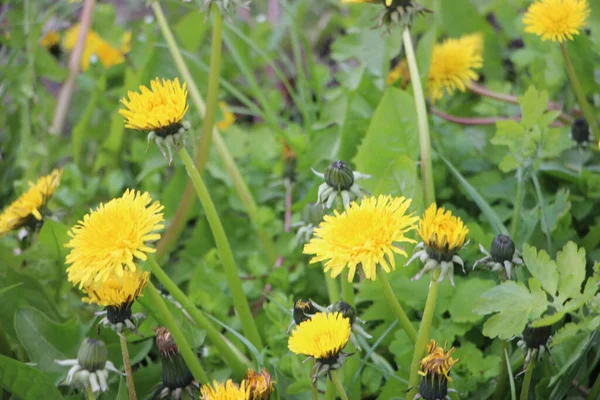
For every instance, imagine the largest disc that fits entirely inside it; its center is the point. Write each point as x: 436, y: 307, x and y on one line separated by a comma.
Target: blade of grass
x: 511, y: 378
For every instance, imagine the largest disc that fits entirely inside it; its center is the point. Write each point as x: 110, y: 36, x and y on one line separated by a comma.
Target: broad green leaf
x: 401, y: 179
x: 555, y: 210
x: 460, y: 307
x: 590, y: 290
x: 392, y: 133
x: 571, y: 268
x: 542, y: 268
x: 26, y: 382
x: 514, y: 304
x: 533, y: 106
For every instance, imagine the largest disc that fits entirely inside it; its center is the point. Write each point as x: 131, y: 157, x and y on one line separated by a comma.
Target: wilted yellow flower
x: 228, y: 117
x: 556, y: 20
x: 95, y: 46
x: 442, y: 231
x: 117, y: 291
x: 437, y: 362
x: 366, y: 234
x: 323, y: 336
x: 260, y: 386
x: 399, y: 73
x: 50, y: 39
x: 159, y: 108
x: 225, y: 391
x: 109, y: 239
x: 27, y: 208
x: 453, y: 63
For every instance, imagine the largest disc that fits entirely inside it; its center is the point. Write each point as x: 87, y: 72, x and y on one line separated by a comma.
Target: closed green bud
x: 503, y: 248
x: 536, y: 337
x: 313, y: 213
x: 303, y: 310
x: 175, y: 372
x: 433, y: 387
x: 580, y: 131
x: 92, y: 355
x: 339, y: 176
x: 346, y: 310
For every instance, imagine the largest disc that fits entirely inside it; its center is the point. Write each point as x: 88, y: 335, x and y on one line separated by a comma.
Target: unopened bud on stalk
x: 346, y: 310
x: 581, y: 132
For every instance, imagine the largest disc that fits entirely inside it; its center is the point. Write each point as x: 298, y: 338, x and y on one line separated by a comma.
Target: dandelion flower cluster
x: 453, y: 65
x: 28, y: 207
x: 365, y: 235
x: 556, y: 20
x: 109, y: 239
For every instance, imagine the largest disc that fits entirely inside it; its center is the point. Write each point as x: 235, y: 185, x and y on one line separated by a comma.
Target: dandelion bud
x: 176, y: 376
x: 259, y: 386
x: 580, y: 131
x: 346, y: 310
x: 503, y: 248
x: 397, y: 3
x: 536, y: 337
x: 303, y: 310
x: 339, y: 176
x: 92, y: 355
x: 313, y: 213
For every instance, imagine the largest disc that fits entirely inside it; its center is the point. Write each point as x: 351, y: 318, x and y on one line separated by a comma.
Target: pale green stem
x: 315, y: 391
x: 352, y: 363
x: 595, y: 390
x: 503, y: 375
x: 329, y: 390
x: 423, y: 336
x: 396, y: 307
x: 538, y: 190
x: 166, y: 319
x: 128, y: 370
x: 228, y: 162
x: 89, y: 393
x: 240, y: 301
x: 424, y: 140
x: 338, y: 385
x: 527, y: 380
x: 333, y: 290
x: 514, y: 223
x: 236, y: 361
x: 586, y: 108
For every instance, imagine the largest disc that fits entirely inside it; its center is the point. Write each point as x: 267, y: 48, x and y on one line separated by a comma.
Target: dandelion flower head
x: 442, y: 231
x: 556, y: 20
x: 323, y: 336
x: 109, y: 239
x: 365, y: 234
x: 225, y: 391
x: 117, y: 291
x: 438, y: 361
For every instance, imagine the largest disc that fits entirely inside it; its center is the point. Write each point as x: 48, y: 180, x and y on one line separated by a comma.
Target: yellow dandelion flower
x: 259, y: 385
x: 109, y: 239
x: 117, y: 291
x: 438, y: 361
x: 28, y: 207
x: 161, y: 107
x: 50, y: 39
x: 225, y: 391
x: 228, y: 117
x: 95, y: 46
x: 452, y: 65
x: 323, y: 336
x: 399, y: 73
x: 441, y: 231
x: 556, y: 20
x: 366, y: 234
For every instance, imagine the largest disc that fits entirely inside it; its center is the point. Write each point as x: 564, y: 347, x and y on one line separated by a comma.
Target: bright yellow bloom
x: 366, y: 234
x: 442, y: 231
x: 162, y: 106
x: 260, y: 386
x: 225, y: 391
x: 323, y: 336
x: 556, y: 20
x: 117, y: 291
x: 399, y: 72
x: 50, y: 39
x: 453, y: 63
x: 30, y: 204
x: 228, y: 117
x: 109, y: 239
x: 98, y: 47
x: 437, y: 362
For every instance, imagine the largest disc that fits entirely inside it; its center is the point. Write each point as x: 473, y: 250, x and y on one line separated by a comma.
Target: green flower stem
x: 329, y: 390
x: 333, y: 290
x: 527, y: 380
x: 128, y: 370
x: 503, y: 376
x: 352, y: 363
x: 514, y: 223
x: 315, y: 392
x: 395, y: 305
x: 89, y: 393
x: 595, y: 390
x: 236, y: 361
x: 423, y: 337
x: 240, y: 301
x: 165, y: 318
x: 338, y: 385
x: 424, y: 140
x: 178, y: 224
x: 586, y: 108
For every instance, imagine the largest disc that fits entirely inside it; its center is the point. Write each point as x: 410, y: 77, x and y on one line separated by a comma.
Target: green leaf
x: 460, y: 307
x: 533, y: 106
x: 514, y: 305
x: 542, y: 268
x: 25, y: 382
x: 571, y: 268
x: 401, y: 179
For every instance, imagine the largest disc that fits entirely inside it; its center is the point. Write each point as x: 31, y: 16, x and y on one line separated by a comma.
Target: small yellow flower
x: 225, y: 391
x: 161, y: 107
x: 323, y: 336
x: 95, y: 46
x: 441, y: 231
x: 228, y: 117
x: 365, y: 235
x: 437, y: 362
x: 116, y: 291
x: 556, y: 20
x: 453, y: 63
x: 50, y: 39
x: 109, y: 239
x: 29, y: 205
x: 259, y: 385
x: 399, y: 73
